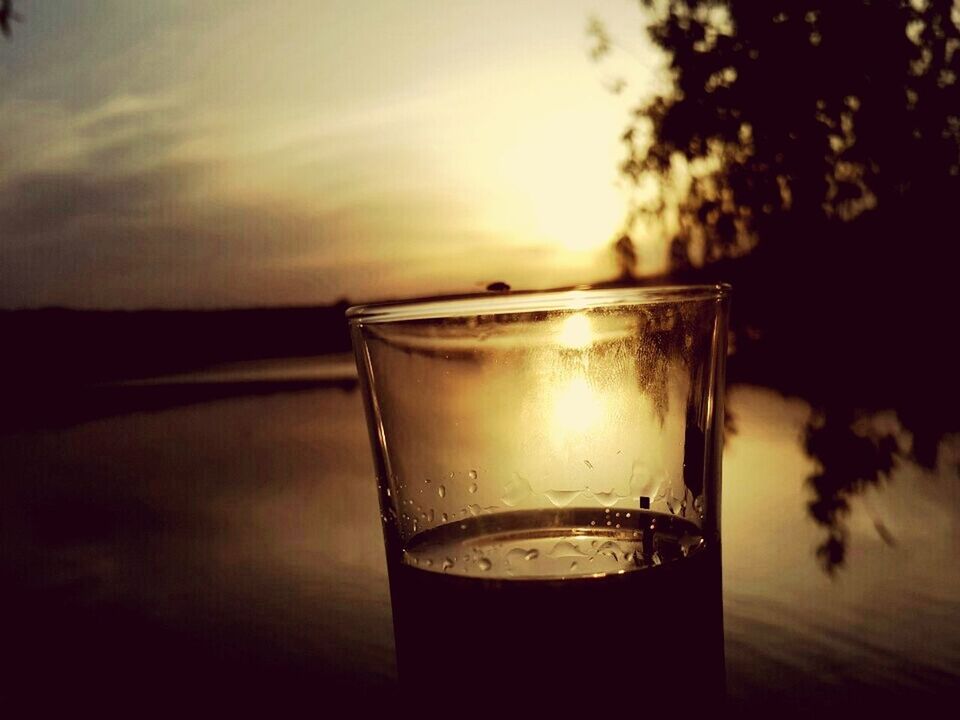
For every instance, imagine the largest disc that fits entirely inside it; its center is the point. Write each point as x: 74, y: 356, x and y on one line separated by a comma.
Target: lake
x: 227, y: 545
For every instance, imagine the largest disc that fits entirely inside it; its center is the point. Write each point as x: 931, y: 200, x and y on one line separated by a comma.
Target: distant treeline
x: 59, y: 346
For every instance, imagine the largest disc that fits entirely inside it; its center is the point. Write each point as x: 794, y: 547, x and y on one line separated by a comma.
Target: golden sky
x: 232, y: 152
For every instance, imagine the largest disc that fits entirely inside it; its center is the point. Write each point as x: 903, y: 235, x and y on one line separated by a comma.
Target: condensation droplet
x: 689, y: 544
x: 429, y: 563
x: 463, y: 526
x: 447, y: 564
x: 606, y: 498
x: 610, y: 549
x: 593, y: 523
x: 472, y: 489
x: 426, y: 480
x: 565, y: 549
x: 472, y: 474
x: 432, y: 516
x: 628, y: 515
x: 484, y: 564
x: 573, y: 565
x: 415, y: 525
x: 474, y: 509
x: 588, y: 464
x: 388, y: 492
x: 532, y: 554
x: 561, y: 498
x: 442, y: 491
x: 515, y: 556
x: 515, y: 491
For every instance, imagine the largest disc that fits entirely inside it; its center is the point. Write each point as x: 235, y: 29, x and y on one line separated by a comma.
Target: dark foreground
x: 226, y: 554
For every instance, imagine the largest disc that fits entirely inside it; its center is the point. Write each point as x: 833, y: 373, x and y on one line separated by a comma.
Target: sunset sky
x: 228, y: 152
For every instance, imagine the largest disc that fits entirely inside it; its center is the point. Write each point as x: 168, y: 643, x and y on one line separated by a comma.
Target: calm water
x: 233, y: 548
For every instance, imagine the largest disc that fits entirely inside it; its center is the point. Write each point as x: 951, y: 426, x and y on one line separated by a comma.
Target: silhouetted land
x: 60, y: 345
x: 63, y: 366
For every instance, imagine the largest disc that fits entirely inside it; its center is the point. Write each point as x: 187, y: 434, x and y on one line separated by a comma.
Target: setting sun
x: 328, y: 158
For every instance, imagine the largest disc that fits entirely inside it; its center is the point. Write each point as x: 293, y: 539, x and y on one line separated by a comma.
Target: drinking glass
x: 548, y: 467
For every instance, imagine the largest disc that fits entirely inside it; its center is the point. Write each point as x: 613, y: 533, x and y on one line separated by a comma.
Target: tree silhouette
x: 809, y: 153
x: 7, y: 14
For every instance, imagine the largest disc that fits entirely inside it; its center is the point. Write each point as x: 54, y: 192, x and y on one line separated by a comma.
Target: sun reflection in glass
x: 577, y: 408
x: 576, y: 331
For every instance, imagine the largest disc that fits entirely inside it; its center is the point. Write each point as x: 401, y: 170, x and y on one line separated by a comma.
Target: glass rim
x: 581, y: 297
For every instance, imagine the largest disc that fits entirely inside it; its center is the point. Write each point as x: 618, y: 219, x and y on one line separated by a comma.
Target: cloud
x: 225, y: 254
x: 104, y: 207
x: 131, y: 152
x: 38, y: 203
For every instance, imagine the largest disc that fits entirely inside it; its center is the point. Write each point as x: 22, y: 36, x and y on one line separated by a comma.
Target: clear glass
x: 549, y: 476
